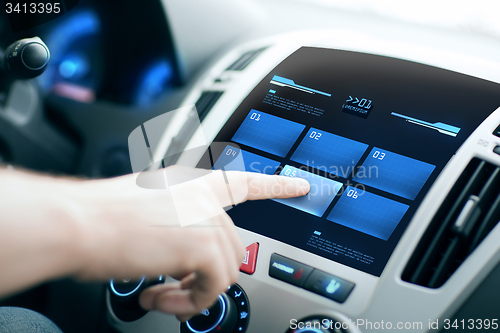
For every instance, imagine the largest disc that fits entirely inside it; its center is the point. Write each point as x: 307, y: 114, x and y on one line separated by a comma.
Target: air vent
x: 245, y: 60
x: 206, y: 102
x: 470, y: 211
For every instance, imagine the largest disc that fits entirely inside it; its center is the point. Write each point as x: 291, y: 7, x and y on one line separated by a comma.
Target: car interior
x: 389, y: 109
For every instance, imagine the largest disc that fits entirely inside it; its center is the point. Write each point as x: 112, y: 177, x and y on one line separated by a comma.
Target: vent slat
x: 245, y: 60
x: 490, y: 220
x: 441, y: 272
x: 206, y: 102
x: 467, y: 215
x: 489, y: 188
x: 422, y: 270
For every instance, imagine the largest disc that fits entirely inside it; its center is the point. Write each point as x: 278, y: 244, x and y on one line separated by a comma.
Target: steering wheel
x: 54, y: 134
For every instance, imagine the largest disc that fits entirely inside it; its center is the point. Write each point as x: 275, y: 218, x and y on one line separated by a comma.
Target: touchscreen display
x: 369, y: 133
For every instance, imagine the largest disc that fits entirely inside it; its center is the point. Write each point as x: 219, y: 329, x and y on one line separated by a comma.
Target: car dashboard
x: 400, y: 144
x: 388, y: 110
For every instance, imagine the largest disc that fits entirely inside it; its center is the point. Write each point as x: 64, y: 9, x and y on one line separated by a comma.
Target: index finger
x: 244, y: 186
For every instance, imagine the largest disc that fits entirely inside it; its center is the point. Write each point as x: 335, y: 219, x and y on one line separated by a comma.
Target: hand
x: 138, y: 233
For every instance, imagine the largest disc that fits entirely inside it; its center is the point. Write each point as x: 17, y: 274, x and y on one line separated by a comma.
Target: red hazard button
x: 248, y: 264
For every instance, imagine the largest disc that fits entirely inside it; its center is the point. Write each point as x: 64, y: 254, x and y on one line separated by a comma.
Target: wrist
x: 38, y: 239
x: 102, y: 213
x: 90, y: 234
x: 69, y: 221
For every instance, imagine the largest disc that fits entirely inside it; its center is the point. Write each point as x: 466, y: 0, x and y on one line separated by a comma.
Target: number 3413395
x: 33, y: 8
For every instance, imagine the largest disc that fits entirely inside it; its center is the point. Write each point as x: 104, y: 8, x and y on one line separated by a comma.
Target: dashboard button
x: 288, y: 270
x: 35, y: 56
x: 496, y: 150
x: 242, y: 305
x: 248, y: 265
x: 124, y: 297
x: 222, y: 317
x: 329, y: 286
x: 124, y: 288
x: 496, y: 132
x: 209, y: 318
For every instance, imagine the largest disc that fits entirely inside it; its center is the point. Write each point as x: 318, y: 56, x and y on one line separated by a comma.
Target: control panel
x: 381, y: 140
x: 229, y: 314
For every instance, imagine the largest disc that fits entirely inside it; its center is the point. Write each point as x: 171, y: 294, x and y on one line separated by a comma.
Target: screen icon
x: 333, y: 286
x: 356, y: 106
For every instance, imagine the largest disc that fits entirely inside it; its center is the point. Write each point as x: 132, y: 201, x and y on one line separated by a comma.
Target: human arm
x: 102, y: 229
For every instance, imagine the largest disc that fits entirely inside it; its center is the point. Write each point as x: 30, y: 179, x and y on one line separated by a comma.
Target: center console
x: 402, y: 156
